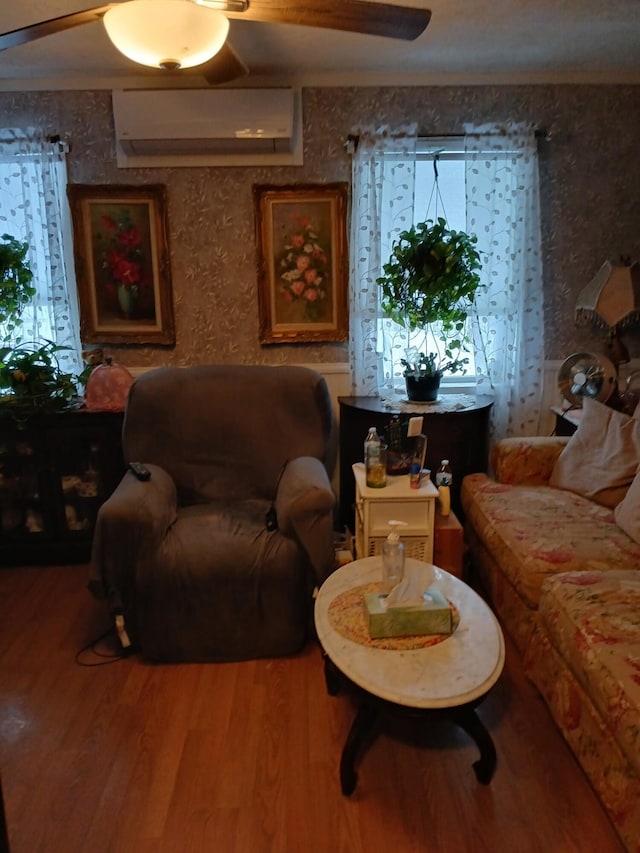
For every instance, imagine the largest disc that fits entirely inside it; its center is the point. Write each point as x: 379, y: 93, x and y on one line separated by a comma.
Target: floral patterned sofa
x: 564, y: 579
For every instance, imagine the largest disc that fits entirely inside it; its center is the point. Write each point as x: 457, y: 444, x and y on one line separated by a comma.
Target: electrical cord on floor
x: 111, y: 657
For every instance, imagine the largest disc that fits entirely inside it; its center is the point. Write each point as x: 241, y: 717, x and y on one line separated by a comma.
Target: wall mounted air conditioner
x: 208, y: 127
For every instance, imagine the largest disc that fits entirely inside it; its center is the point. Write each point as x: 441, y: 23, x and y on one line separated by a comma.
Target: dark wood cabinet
x: 55, y: 472
x: 460, y: 436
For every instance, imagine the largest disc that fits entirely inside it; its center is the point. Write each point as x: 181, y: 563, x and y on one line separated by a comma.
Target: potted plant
x: 429, y: 284
x: 423, y: 372
x: 30, y: 376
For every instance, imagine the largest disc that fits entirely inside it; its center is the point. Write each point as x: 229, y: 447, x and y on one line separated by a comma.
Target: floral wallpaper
x: 590, y: 187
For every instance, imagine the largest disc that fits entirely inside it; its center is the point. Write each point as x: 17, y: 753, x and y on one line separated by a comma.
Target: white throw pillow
x: 601, y: 457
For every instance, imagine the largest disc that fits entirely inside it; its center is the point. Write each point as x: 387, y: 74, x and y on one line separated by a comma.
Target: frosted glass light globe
x: 166, y: 33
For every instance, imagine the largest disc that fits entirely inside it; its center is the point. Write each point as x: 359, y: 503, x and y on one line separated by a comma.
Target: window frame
x: 448, y: 148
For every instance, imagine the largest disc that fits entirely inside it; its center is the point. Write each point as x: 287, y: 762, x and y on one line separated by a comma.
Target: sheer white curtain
x: 34, y: 209
x: 502, y: 204
x: 503, y: 210
x: 383, y: 178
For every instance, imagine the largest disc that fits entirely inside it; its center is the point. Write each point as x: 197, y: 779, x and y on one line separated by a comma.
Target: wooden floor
x: 243, y: 758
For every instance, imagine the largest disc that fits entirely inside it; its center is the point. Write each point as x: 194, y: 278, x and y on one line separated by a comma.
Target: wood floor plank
x: 243, y: 757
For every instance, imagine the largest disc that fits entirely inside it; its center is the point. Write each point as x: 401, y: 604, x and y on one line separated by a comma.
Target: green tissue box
x: 432, y: 617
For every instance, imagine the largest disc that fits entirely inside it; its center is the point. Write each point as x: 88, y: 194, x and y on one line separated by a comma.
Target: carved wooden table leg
x: 465, y: 716
x: 359, y: 732
x: 332, y: 676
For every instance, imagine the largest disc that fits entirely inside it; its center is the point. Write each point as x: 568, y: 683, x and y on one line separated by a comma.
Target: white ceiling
x: 467, y: 42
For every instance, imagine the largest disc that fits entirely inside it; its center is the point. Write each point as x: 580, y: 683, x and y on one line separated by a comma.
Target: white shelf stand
x: 397, y: 500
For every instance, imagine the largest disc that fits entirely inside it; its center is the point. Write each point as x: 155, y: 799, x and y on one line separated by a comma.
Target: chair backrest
x: 226, y: 431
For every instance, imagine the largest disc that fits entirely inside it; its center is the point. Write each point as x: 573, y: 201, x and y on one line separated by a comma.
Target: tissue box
x: 432, y: 617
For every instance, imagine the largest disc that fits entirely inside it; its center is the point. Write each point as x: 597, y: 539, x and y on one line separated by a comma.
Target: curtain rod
x: 539, y: 133
x: 352, y: 139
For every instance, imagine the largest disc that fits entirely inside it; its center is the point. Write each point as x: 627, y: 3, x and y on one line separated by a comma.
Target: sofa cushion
x: 593, y: 620
x: 536, y: 531
x: 526, y: 461
x: 601, y: 459
x: 627, y: 513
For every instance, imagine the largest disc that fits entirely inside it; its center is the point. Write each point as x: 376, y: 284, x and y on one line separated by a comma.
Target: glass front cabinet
x: 55, y: 472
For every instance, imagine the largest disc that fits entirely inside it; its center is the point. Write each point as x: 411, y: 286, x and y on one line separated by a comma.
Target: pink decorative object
x: 108, y: 388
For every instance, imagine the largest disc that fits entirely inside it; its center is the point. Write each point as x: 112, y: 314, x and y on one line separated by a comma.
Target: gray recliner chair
x: 186, y: 559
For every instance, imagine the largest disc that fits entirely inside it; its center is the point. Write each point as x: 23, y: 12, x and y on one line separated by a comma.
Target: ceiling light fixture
x: 166, y: 34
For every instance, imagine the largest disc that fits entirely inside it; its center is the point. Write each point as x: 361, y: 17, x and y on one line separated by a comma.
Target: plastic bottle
x: 392, y: 557
x: 374, y: 461
x: 444, y: 479
x: 372, y: 435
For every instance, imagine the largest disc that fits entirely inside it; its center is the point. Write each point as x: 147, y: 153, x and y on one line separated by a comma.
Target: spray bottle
x: 392, y: 557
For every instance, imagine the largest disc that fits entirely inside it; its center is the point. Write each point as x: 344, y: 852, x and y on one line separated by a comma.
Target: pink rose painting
x: 303, y: 265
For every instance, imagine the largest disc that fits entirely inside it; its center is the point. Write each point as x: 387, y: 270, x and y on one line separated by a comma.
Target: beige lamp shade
x: 612, y: 297
x: 166, y: 33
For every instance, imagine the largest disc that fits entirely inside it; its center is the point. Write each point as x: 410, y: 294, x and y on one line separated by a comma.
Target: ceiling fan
x: 207, y: 21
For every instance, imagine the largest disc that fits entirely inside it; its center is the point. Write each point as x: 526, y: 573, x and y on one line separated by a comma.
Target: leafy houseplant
x: 30, y: 376
x: 429, y: 282
x: 15, y: 282
x: 423, y: 372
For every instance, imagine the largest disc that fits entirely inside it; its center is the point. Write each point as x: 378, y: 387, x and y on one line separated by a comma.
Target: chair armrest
x: 526, y: 461
x: 130, y: 524
x: 304, y: 507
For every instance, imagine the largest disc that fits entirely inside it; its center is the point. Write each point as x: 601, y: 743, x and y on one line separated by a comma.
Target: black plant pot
x: 423, y: 389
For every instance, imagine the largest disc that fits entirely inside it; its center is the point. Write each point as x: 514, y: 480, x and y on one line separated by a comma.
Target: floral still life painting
x: 122, y: 264
x: 301, y: 233
x: 304, y: 268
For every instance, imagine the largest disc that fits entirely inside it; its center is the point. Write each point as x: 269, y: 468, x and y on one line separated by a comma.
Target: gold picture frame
x: 301, y: 234
x: 123, y: 272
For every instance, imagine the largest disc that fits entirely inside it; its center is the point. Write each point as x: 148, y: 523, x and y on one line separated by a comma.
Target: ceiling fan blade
x: 224, y: 67
x: 54, y: 25
x: 354, y: 16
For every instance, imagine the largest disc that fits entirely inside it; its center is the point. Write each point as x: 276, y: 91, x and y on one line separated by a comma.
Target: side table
x: 567, y: 420
x: 461, y: 436
x: 448, y: 543
x: 397, y: 500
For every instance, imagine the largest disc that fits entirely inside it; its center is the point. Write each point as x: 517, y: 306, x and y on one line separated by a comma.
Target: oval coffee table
x: 450, y: 678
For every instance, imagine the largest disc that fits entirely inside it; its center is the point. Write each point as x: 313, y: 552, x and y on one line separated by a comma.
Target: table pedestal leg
x: 332, y: 676
x: 361, y: 728
x: 466, y: 717
x: 463, y: 716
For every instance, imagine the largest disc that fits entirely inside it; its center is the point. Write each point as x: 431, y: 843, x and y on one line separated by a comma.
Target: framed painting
x: 302, y: 262
x: 122, y: 264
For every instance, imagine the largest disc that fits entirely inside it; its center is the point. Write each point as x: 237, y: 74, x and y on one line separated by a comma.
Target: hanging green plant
x: 431, y: 276
x: 429, y: 285
x: 16, y: 289
x: 430, y: 280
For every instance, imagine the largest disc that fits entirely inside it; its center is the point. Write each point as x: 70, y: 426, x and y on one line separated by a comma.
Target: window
x: 501, y: 187
x: 34, y: 209
x: 446, y: 199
